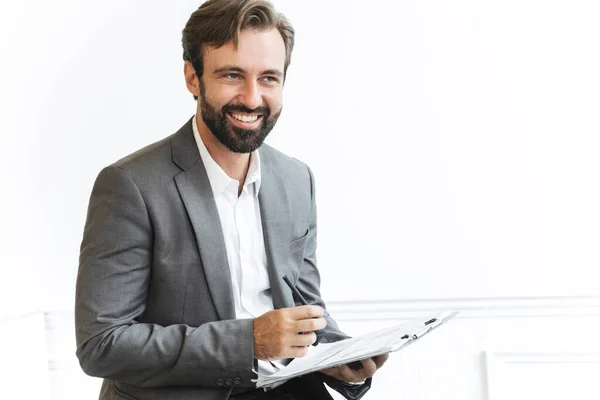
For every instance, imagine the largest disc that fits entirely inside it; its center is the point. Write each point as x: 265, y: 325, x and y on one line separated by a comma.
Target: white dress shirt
x: 243, y: 234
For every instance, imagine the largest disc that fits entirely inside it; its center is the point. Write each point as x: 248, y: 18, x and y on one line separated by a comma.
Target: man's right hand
x: 286, y: 333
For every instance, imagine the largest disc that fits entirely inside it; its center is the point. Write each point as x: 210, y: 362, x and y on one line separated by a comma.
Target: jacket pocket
x: 123, y: 394
x: 299, y: 243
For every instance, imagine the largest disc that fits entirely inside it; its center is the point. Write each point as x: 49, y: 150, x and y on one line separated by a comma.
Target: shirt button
x: 237, y: 380
x: 228, y: 382
x: 220, y: 382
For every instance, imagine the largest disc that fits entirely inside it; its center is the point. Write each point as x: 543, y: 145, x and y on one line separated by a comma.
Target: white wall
x: 454, y: 143
x: 24, y: 357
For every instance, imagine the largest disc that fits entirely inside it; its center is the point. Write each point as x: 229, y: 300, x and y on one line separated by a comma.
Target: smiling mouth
x: 245, y: 120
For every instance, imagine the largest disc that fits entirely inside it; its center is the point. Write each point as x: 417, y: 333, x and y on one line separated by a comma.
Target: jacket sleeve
x: 111, y: 291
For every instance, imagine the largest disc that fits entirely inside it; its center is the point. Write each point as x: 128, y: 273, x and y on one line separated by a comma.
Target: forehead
x: 256, y: 51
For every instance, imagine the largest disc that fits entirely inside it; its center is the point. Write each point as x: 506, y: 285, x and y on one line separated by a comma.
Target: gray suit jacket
x: 154, y: 307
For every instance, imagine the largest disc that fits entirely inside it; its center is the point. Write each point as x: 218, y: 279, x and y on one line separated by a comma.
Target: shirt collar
x: 219, y: 180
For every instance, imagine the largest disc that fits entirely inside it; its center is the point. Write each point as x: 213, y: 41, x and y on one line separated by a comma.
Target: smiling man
x: 179, y: 290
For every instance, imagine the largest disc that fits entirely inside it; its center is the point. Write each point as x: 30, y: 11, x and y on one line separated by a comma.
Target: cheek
x: 219, y: 95
x: 275, y: 102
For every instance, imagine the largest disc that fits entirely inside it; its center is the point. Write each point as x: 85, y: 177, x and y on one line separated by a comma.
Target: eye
x: 232, y: 75
x: 270, y: 79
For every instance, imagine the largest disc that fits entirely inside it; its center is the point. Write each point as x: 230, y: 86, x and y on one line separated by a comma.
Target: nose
x: 250, y: 96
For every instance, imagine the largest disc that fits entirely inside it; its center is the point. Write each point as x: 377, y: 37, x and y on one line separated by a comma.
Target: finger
x: 296, y: 352
x: 349, y: 375
x: 306, y: 312
x: 380, y: 360
x: 303, y: 339
x: 309, y: 325
x: 368, y: 369
x: 333, y: 371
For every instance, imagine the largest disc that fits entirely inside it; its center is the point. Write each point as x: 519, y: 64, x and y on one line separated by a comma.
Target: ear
x: 191, y: 80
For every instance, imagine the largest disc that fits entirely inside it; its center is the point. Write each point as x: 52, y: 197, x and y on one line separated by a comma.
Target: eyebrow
x: 233, y: 68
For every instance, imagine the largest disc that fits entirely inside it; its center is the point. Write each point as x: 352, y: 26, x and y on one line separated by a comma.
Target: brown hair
x: 217, y: 22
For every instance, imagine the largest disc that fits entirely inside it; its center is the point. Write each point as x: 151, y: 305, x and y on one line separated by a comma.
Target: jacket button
x: 220, y: 382
x: 237, y: 380
x: 228, y: 382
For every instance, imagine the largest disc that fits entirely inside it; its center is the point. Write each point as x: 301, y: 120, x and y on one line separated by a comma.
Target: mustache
x: 263, y: 109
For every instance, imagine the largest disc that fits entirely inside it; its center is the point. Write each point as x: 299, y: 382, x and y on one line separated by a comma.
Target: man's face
x: 240, y: 91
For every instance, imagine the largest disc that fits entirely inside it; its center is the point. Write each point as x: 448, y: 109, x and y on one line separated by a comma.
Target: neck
x: 235, y: 165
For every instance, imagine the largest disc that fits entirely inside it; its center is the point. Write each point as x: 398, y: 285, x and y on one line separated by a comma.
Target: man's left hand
x: 347, y: 374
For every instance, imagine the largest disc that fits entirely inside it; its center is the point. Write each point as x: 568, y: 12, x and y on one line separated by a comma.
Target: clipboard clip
x: 421, y: 332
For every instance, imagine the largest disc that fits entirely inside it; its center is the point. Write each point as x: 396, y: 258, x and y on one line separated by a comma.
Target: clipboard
x: 381, y: 341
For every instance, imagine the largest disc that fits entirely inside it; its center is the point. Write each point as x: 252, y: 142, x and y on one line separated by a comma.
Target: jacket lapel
x: 196, y: 193
x: 275, y: 214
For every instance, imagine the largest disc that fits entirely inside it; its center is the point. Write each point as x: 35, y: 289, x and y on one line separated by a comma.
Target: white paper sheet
x: 378, y: 342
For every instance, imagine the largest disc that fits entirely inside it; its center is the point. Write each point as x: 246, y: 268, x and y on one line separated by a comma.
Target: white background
x: 454, y: 143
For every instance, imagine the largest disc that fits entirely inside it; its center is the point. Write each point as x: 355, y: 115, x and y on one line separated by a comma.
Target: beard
x: 236, y: 139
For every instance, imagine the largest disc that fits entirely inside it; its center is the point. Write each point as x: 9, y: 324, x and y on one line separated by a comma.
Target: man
x: 179, y: 291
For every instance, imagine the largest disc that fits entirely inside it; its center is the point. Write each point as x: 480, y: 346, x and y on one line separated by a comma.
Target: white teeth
x: 245, y: 118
